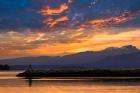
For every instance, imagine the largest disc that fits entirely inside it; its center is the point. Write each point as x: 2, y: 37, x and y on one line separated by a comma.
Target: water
x: 10, y: 84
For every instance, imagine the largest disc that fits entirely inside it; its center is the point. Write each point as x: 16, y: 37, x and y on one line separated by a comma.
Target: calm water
x: 10, y: 84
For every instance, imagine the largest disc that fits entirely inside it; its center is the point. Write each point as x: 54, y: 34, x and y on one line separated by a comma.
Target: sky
x: 60, y: 27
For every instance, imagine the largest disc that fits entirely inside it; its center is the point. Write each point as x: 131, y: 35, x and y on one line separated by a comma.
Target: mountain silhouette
x: 131, y: 60
x: 126, y: 56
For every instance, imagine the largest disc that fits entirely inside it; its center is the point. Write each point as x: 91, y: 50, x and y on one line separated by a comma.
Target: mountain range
x: 113, y: 57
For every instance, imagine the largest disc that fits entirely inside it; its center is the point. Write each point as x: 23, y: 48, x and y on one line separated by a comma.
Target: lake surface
x: 11, y: 84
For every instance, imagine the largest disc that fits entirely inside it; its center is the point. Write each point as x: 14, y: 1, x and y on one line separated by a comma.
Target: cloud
x: 53, y: 22
x: 49, y: 13
x: 62, y: 42
x: 70, y: 1
x: 46, y: 11
x: 34, y: 27
x: 31, y: 14
x: 104, y: 22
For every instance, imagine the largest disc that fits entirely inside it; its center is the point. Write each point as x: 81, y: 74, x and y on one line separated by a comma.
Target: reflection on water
x: 10, y: 84
x: 30, y: 82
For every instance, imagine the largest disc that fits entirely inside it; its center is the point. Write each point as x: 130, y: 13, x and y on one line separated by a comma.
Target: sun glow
x: 54, y: 43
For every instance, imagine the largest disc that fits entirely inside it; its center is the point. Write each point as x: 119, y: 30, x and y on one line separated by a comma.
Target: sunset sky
x: 59, y: 27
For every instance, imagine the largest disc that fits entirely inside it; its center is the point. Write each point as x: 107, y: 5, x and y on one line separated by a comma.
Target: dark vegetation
x: 80, y: 73
x: 4, y: 67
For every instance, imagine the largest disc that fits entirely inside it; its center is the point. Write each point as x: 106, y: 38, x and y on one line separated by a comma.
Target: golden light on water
x: 72, y: 89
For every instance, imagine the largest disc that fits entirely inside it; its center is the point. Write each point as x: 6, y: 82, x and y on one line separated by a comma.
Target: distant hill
x: 131, y: 60
x: 126, y: 56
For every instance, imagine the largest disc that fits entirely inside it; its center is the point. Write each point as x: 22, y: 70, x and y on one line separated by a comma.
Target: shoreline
x: 80, y: 73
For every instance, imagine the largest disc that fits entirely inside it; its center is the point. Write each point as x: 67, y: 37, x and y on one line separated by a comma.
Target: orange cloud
x: 52, y: 22
x: 50, y: 12
x: 70, y: 1
x: 113, y: 20
x: 96, y: 42
x: 65, y: 42
x: 54, y: 11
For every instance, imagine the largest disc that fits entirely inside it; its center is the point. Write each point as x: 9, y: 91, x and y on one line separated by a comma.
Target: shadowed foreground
x: 80, y: 73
